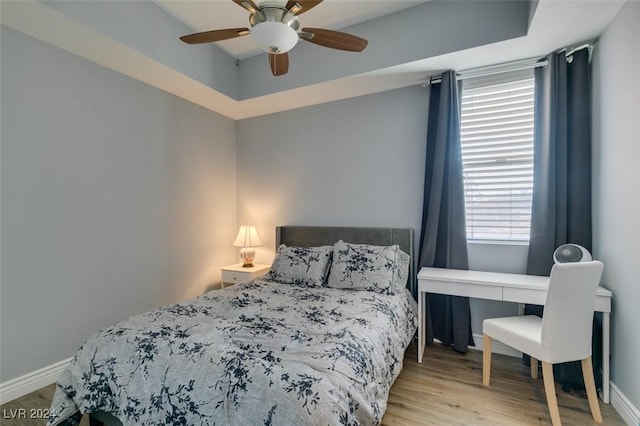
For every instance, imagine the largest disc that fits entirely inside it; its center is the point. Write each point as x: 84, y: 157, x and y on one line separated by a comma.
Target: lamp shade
x: 274, y: 37
x: 247, y: 237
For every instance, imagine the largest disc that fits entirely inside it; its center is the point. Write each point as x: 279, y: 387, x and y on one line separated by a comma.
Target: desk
x: 505, y: 287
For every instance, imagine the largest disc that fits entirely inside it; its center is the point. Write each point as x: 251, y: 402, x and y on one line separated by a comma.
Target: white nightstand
x: 234, y: 274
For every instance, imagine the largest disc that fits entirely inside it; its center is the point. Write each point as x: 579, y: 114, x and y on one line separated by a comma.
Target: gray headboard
x: 310, y: 236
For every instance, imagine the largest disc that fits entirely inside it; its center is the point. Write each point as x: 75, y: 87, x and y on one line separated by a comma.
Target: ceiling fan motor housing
x: 274, y: 28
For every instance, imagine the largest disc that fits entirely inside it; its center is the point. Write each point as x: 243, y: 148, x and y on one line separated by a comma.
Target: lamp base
x: 247, y: 254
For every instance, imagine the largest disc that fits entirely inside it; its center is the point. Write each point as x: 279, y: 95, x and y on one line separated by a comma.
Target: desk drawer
x: 534, y: 297
x: 461, y: 289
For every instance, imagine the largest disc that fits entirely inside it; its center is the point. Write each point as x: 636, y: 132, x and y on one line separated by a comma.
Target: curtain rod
x: 510, y: 66
x: 494, y: 69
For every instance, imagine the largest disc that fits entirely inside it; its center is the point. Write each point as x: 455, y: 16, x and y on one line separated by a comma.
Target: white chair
x: 563, y: 333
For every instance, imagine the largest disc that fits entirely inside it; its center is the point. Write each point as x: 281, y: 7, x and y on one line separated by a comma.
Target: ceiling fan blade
x: 334, y: 39
x: 248, y: 4
x: 279, y: 63
x: 304, y: 5
x: 215, y: 35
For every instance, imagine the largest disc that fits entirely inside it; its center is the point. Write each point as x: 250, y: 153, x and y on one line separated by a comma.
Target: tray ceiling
x: 408, y: 41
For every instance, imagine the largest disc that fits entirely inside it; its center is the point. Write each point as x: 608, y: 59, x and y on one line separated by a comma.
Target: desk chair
x: 562, y: 334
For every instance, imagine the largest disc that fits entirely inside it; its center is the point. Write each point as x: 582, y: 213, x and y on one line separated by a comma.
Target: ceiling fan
x: 274, y: 27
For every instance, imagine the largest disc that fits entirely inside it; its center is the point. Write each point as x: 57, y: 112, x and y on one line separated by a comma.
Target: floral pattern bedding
x: 260, y: 353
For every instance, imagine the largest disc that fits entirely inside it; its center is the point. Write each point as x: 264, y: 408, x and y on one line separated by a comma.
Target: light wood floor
x: 446, y: 389
x: 33, y: 401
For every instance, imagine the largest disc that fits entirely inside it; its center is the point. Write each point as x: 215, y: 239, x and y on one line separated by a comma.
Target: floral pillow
x: 306, y: 266
x: 401, y: 273
x: 364, y: 267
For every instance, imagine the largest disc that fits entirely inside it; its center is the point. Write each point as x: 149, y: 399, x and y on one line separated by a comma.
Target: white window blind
x: 497, y: 155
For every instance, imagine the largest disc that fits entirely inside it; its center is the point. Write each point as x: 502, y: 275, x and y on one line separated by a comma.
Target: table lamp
x: 247, y: 239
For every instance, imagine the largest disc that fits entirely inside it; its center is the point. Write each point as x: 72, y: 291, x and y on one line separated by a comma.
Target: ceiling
x: 408, y: 41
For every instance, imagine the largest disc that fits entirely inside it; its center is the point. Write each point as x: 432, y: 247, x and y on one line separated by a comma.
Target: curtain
x: 561, y: 209
x: 443, y: 241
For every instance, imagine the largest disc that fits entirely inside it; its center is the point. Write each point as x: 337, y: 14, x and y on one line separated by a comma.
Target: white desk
x: 506, y: 287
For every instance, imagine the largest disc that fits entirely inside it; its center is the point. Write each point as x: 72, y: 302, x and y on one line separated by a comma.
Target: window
x: 497, y: 155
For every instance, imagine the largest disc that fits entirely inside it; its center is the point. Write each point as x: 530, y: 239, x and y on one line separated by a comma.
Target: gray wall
x: 616, y: 163
x: 116, y: 197
x: 123, y: 20
x: 355, y: 162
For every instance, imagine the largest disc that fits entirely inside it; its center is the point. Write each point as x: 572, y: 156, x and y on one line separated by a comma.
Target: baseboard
x: 624, y: 407
x: 30, y: 382
x: 497, y: 347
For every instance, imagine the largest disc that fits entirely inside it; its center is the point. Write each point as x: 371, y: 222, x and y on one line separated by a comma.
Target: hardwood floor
x: 446, y: 389
x: 24, y: 410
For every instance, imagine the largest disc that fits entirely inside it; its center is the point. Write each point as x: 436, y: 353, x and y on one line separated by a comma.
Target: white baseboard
x: 30, y: 382
x: 624, y: 407
x: 497, y: 347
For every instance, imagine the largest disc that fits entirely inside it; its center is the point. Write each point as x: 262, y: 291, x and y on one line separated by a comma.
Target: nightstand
x: 234, y: 274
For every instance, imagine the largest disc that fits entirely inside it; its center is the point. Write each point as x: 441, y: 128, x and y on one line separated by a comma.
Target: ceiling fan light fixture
x: 274, y: 37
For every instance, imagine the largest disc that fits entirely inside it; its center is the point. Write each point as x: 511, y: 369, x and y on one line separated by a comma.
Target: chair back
x: 568, y: 311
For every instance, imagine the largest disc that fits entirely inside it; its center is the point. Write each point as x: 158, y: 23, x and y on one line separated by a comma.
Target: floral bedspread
x: 259, y: 353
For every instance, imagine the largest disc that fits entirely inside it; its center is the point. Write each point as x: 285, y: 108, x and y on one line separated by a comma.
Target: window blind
x: 497, y: 155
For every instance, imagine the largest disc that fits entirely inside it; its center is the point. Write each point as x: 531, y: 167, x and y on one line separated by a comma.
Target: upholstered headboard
x: 310, y: 236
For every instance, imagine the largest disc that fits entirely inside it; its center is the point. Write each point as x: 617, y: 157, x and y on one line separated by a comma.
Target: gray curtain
x: 561, y: 209
x: 443, y: 242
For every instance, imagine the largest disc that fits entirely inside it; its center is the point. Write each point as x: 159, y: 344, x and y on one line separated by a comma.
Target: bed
x: 264, y: 352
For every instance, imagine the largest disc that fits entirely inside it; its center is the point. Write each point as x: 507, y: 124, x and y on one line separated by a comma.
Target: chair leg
x: 590, y: 385
x: 550, y: 391
x: 534, y: 368
x: 486, y: 360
